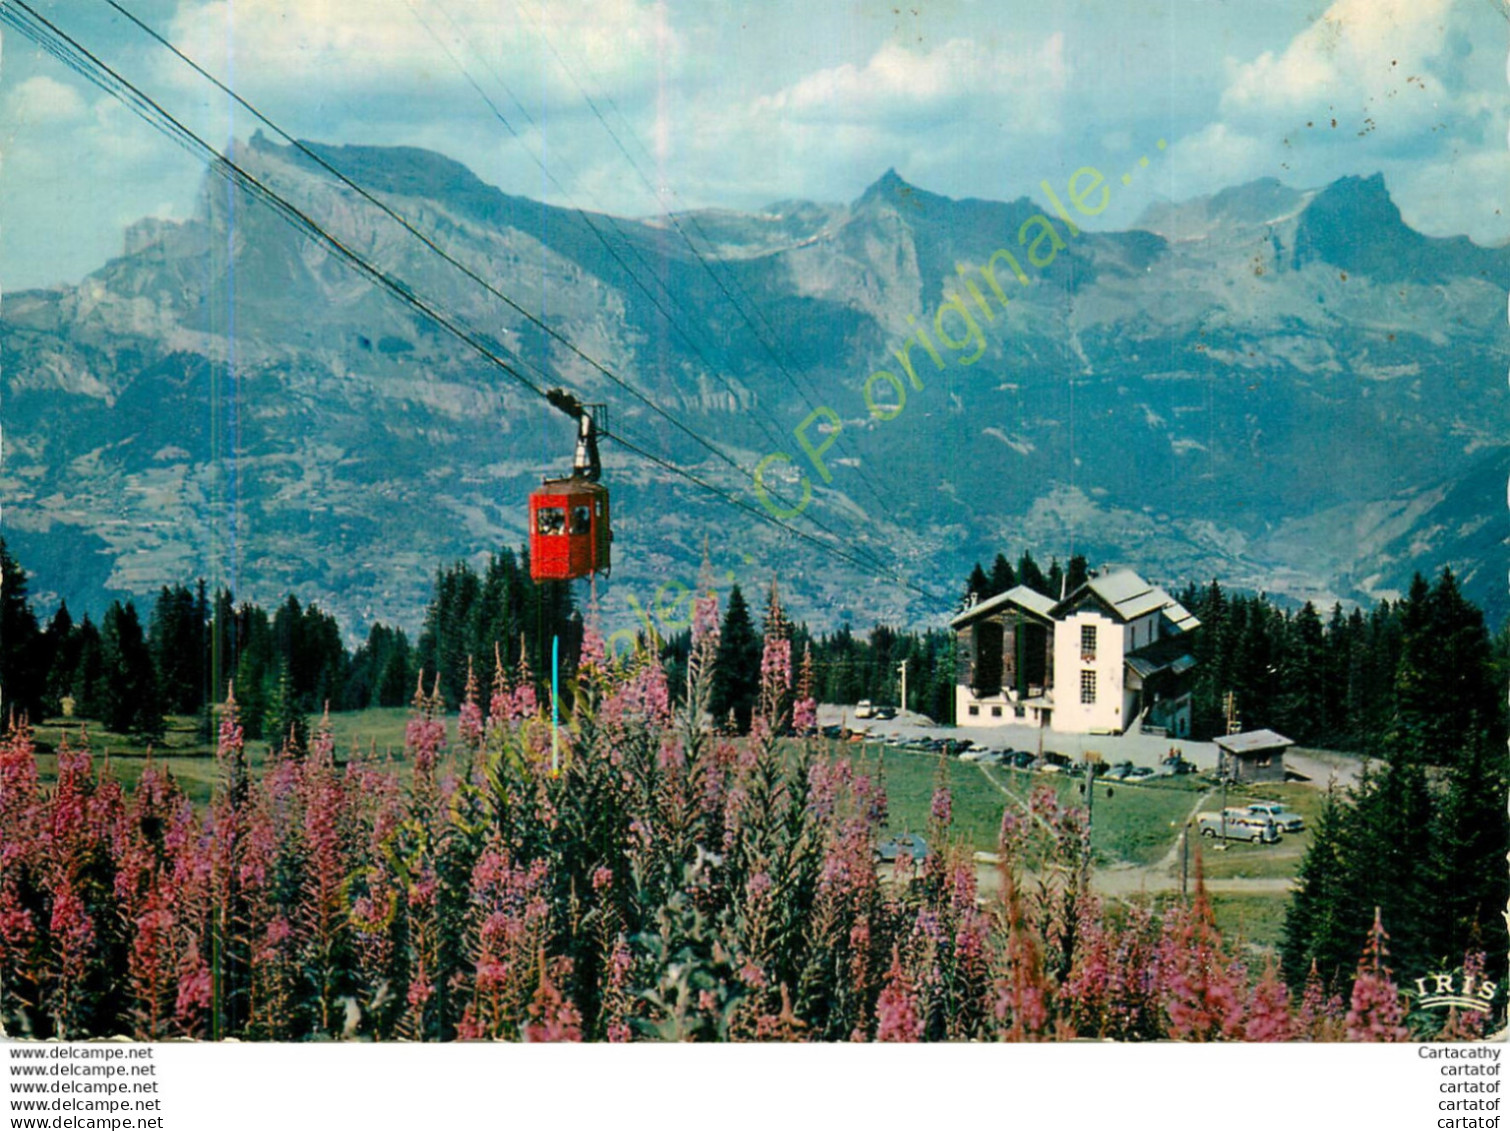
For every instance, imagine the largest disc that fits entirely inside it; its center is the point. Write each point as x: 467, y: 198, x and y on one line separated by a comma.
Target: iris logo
x: 1451, y: 989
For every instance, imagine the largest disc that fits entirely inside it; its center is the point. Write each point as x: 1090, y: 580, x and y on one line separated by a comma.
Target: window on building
x: 974, y: 710
x: 1088, y: 641
x: 996, y: 712
x: 1020, y: 712
x: 1087, y: 687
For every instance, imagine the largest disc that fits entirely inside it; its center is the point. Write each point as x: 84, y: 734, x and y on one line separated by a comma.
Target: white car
x: 865, y: 709
x: 1288, y: 820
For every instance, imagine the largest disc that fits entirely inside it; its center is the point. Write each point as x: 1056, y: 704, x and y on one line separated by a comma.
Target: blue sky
x: 739, y: 105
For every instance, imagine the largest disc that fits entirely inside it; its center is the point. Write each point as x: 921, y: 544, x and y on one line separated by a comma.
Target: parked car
x: 893, y: 847
x: 883, y: 712
x: 1237, y: 824
x: 1140, y: 772
x: 1022, y: 759
x: 865, y: 709
x: 833, y: 732
x: 1287, y: 819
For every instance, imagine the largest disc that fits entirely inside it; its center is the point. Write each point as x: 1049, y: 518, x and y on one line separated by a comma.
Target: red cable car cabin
x: 569, y: 531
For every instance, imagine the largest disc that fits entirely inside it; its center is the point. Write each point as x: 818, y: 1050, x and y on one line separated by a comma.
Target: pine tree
x: 62, y: 649
x: 285, y: 726
x: 1318, y: 929
x: 87, y: 681
x: 736, y: 673
x: 977, y: 584
x: 131, y: 697
x: 174, y: 638
x: 1055, y: 580
x: 23, y: 670
x: 1076, y: 574
x: 1030, y: 575
x: 1300, y: 705
x: 1410, y: 725
x: 1002, y: 576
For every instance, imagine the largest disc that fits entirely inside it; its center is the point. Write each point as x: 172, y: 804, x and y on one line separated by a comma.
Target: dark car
x: 888, y: 851
x: 884, y: 713
x: 833, y: 732
x: 1022, y: 759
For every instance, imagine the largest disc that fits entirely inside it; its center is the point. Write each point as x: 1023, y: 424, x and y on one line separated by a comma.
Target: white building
x: 1113, y: 654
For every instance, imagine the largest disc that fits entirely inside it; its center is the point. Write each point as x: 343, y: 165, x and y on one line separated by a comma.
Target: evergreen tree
x: 286, y: 728
x: 1055, y: 579
x: 131, y: 704
x: 1316, y: 927
x: 1030, y: 575
x: 23, y: 668
x: 87, y: 680
x: 1003, y: 577
x: 256, y: 667
x: 1410, y: 725
x: 736, y: 673
x: 175, y: 638
x: 1078, y: 573
x: 1299, y: 702
x: 62, y: 649
x: 977, y: 584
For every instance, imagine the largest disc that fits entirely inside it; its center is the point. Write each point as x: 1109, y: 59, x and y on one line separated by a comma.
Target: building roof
x: 1127, y: 597
x: 1029, y: 600
x: 1172, y: 653
x: 1251, y: 741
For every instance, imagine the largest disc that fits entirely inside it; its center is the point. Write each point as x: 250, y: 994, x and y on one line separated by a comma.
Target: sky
x: 637, y: 107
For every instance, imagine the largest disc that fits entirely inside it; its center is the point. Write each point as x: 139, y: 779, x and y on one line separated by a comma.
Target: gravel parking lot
x: 1139, y: 749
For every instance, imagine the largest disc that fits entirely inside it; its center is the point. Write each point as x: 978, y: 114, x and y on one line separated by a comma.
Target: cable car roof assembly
x: 569, y: 521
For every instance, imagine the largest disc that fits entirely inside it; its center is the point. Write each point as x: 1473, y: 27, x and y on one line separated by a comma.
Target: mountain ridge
x: 1182, y: 398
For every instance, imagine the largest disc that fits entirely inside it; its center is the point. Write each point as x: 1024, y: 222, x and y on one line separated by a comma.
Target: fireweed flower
x: 471, y: 727
x: 897, y: 1008
x: 1376, y: 1013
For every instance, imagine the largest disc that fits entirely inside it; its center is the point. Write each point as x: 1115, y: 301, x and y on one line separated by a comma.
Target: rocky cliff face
x: 1289, y: 390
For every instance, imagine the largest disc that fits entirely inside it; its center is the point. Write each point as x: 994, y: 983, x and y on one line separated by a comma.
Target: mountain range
x: 1290, y: 390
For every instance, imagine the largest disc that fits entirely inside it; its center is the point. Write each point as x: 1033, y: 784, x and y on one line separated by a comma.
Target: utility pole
x: 1223, y: 761
x: 902, y: 667
x: 1090, y: 809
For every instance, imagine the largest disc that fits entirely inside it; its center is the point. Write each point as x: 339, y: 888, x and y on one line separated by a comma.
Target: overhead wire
x: 671, y: 218
x: 57, y: 43
x: 670, y: 319
x: 472, y: 275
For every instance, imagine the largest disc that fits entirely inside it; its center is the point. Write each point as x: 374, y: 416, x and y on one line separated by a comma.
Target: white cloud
x: 386, y: 46
x: 901, y: 84
x: 41, y: 100
x: 1406, y: 87
x: 1369, y: 52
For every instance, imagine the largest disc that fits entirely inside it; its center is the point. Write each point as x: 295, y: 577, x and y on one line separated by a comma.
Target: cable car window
x: 550, y: 520
x: 581, y: 519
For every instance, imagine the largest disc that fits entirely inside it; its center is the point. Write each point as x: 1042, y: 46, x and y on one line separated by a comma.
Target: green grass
x: 1243, y: 860
x: 1245, y: 921
x: 1137, y: 823
x: 1258, y: 920
x: 192, y: 761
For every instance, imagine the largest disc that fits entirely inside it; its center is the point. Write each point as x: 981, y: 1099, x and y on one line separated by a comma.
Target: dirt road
x: 1125, y: 880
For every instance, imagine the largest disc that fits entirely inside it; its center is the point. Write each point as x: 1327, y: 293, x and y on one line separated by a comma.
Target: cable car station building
x: 1113, y: 655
